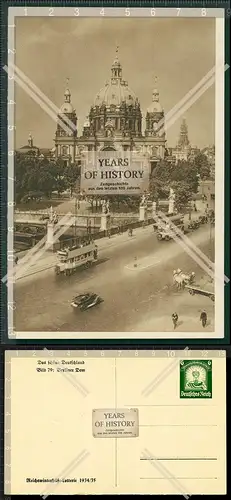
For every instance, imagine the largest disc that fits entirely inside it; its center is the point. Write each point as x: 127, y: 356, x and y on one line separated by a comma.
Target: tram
x: 70, y: 259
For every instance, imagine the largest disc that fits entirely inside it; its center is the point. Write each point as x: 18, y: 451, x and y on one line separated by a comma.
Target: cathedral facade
x: 114, y: 123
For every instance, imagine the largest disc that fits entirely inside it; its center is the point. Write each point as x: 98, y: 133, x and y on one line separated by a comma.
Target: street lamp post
x: 75, y: 229
x: 210, y: 238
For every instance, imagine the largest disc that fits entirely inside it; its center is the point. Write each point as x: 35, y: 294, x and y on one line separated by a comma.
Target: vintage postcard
x: 116, y: 173
x: 150, y: 422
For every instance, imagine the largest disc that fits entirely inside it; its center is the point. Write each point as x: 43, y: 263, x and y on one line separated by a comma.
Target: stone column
x: 171, y: 204
x: 154, y: 209
x: 142, y: 215
x: 104, y: 222
x: 72, y: 153
x: 50, y: 236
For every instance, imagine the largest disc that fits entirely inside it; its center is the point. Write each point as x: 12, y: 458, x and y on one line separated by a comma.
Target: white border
x: 219, y: 165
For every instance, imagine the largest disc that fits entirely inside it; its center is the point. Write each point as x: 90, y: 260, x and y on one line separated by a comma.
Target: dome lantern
x: 116, y: 69
x: 67, y: 94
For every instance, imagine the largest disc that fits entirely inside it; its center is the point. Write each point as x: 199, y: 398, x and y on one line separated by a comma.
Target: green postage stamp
x: 196, y: 379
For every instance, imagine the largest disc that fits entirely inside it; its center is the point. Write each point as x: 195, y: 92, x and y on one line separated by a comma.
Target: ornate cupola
x: 155, y: 115
x: 116, y: 109
x: 183, y: 141
x: 67, y: 112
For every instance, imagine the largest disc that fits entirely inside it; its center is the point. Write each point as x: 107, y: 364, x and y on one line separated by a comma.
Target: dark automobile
x: 203, y: 219
x: 194, y: 224
x: 86, y: 301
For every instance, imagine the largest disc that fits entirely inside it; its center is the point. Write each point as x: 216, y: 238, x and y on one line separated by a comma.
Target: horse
x: 181, y: 279
x: 177, y: 279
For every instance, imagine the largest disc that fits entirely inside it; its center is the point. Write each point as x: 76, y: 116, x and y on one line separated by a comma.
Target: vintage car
x: 86, y: 301
x: 194, y: 224
x: 203, y: 219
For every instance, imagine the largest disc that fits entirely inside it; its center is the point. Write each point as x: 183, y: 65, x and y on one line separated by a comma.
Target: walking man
x: 175, y: 320
x: 203, y: 318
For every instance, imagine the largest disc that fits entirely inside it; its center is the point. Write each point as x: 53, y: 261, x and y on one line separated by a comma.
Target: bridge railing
x: 68, y: 241
x: 78, y: 214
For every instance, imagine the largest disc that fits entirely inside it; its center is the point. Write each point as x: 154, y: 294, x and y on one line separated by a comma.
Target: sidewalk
x: 188, y: 308
x: 48, y: 260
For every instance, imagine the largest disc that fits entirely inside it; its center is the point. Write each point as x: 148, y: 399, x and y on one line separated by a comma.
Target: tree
x: 183, y: 194
x: 202, y: 166
x: 160, y: 180
x: 34, y: 174
x: 181, y: 177
x: 72, y: 176
x: 186, y: 173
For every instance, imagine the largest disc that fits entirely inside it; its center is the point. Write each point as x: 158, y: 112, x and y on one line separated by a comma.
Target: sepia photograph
x: 158, y: 423
x: 118, y: 172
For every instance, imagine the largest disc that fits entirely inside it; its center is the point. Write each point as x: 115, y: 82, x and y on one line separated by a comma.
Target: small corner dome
x: 155, y: 108
x: 66, y: 108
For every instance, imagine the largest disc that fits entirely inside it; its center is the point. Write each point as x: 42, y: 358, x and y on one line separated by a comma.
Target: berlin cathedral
x: 114, y: 123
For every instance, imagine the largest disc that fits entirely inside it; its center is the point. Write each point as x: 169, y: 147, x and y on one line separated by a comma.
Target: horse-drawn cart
x: 198, y: 291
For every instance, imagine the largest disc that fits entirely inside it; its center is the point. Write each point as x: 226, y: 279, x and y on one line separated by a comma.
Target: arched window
x: 108, y: 148
x: 64, y: 150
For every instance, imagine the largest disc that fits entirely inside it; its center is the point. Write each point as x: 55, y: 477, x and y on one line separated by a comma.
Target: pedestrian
x: 203, y: 318
x: 195, y: 207
x: 16, y: 260
x: 175, y: 320
x: 109, y: 233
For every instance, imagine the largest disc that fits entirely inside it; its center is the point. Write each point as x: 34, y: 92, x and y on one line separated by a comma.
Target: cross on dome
x: 116, y: 67
x: 117, y: 51
x: 67, y: 93
x: 155, y: 92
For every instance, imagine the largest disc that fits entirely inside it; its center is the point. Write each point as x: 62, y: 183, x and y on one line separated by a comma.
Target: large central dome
x: 116, y: 110
x: 116, y: 91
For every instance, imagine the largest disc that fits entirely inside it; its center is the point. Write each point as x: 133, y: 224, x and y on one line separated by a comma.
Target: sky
x: 179, y: 52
